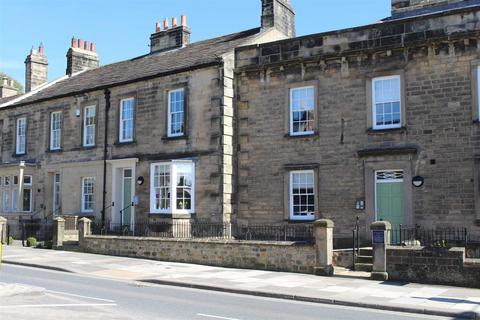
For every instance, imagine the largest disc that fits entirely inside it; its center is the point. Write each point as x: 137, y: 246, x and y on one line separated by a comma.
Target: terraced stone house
x: 146, y: 139
x: 377, y: 122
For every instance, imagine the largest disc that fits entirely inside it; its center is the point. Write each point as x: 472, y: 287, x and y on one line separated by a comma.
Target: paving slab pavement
x: 394, y: 296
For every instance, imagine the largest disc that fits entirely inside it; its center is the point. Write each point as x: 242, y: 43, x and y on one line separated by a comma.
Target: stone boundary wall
x: 433, y: 266
x: 272, y: 256
x: 343, y: 258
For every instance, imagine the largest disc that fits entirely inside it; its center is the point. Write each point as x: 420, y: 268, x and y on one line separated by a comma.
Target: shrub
x: 31, y: 242
x: 10, y: 240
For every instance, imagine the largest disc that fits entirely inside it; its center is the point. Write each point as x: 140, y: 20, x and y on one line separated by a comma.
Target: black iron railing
x: 200, y: 229
x: 438, y: 237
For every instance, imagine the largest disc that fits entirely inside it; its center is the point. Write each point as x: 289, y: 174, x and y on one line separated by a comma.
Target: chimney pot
x: 74, y: 42
x: 184, y: 21
x: 165, y: 24
x: 41, y: 49
x: 80, y: 43
x: 93, y: 47
x: 158, y: 27
x: 174, y: 22
x: 86, y: 45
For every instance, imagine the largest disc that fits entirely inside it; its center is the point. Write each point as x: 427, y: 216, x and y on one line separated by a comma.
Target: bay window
x: 172, y: 187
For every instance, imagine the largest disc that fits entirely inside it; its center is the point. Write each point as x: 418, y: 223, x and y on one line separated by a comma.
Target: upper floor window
x: 55, y: 130
x: 20, y: 147
x: 302, y: 106
x: 127, y: 111
x: 302, y: 195
x: 172, y: 188
x: 386, y: 102
x: 89, y: 123
x: 176, y: 113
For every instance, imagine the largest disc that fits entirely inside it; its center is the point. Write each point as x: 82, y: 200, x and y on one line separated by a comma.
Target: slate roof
x: 433, y: 9
x: 6, y: 99
x: 196, y: 54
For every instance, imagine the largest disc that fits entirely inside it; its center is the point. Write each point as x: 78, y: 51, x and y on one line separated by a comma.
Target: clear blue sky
x: 121, y: 28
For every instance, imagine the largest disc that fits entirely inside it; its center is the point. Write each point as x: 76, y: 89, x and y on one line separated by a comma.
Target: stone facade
x: 435, y: 58
x: 204, y: 71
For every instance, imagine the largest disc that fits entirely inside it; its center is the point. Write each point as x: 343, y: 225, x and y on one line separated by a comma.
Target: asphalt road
x: 58, y: 295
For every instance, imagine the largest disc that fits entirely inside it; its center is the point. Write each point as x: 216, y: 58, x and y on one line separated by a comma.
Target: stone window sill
x: 372, y: 131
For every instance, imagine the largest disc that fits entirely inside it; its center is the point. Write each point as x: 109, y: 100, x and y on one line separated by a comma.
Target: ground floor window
x: 88, y: 194
x: 10, y: 193
x: 302, y: 195
x: 172, y: 188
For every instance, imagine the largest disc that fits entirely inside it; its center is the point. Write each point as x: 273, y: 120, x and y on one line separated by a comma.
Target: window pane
x: 176, y: 112
x: 301, y: 109
x: 302, y: 194
x: 387, y: 102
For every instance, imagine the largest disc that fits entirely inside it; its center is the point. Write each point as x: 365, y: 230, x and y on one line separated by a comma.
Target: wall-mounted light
x: 418, y: 181
x: 140, y: 180
x: 77, y: 112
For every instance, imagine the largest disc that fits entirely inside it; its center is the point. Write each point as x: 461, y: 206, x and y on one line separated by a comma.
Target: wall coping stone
x: 213, y: 241
x: 381, y: 225
x: 324, y: 223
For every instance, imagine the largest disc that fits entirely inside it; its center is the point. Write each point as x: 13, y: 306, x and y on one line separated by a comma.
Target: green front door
x: 389, y: 194
x: 127, y: 197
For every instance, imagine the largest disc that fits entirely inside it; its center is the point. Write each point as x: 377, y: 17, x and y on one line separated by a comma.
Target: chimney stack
x: 81, y: 56
x: 36, y: 67
x: 167, y: 39
x: 6, y: 88
x: 279, y: 14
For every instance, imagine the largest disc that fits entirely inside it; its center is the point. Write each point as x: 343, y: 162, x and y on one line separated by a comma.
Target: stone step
x: 365, y: 267
x: 364, y: 259
x: 366, y: 252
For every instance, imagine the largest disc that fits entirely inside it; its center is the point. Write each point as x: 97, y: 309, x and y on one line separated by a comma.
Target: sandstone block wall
x: 433, y: 266
x: 273, y: 256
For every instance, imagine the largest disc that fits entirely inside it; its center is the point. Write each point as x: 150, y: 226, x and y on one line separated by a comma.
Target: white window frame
x: 87, y: 126
x: 170, y: 113
x: 57, y: 189
x: 374, y: 103
x: 28, y: 186
x: 291, y: 196
x: 55, y: 144
x: 83, y: 203
x: 121, y: 138
x: 292, y: 133
x: 21, y: 139
x: 478, y: 92
x: 6, y: 195
x: 173, y: 188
